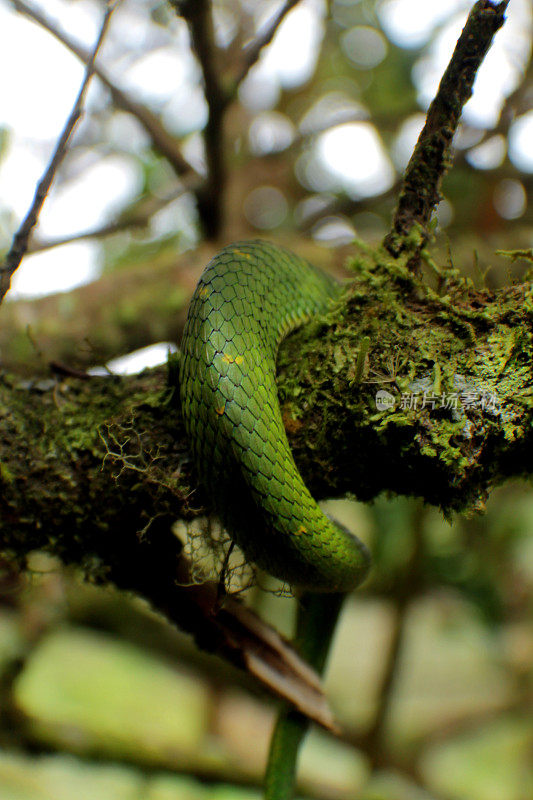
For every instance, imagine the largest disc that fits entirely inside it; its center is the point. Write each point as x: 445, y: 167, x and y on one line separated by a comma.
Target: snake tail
x: 248, y: 298
x: 317, y: 617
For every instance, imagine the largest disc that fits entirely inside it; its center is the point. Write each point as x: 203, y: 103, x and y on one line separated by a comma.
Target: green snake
x: 248, y: 298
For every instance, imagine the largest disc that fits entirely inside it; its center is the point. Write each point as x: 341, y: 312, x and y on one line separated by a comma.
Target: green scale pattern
x: 248, y: 298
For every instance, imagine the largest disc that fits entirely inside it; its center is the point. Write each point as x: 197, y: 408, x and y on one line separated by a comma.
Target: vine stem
x: 317, y: 618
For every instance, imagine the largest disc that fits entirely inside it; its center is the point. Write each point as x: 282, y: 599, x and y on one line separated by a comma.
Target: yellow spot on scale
x: 204, y: 291
x: 301, y: 530
x: 220, y: 410
x: 230, y: 359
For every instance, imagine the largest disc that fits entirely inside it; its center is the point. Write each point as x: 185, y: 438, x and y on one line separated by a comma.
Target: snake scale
x: 248, y: 298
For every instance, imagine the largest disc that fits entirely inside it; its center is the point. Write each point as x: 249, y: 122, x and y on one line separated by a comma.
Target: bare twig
x: 431, y: 157
x: 374, y: 737
x: 162, y: 141
x: 123, y: 224
x: 139, y: 218
x: 20, y: 240
x: 348, y: 206
x: 253, y: 51
x: 197, y: 13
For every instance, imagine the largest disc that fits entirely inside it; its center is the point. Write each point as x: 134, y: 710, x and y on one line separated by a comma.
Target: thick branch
x: 431, y: 158
x: 88, y: 464
x: 458, y: 369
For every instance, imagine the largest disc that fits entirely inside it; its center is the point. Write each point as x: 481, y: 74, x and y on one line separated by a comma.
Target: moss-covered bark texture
x: 456, y: 364
x: 97, y: 470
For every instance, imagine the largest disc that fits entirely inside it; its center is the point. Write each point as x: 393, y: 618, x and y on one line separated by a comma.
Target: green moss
x: 6, y: 476
x: 92, y: 457
x: 435, y: 345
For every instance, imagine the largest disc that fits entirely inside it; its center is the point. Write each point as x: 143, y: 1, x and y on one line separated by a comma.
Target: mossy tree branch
x: 96, y: 471
x: 457, y: 366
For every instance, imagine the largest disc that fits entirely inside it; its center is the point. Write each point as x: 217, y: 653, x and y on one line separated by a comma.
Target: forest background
x: 432, y: 669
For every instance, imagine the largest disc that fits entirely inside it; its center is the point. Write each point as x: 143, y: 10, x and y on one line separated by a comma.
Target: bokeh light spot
x: 356, y: 158
x: 510, y: 199
x: 265, y: 207
x: 521, y: 142
x: 365, y: 46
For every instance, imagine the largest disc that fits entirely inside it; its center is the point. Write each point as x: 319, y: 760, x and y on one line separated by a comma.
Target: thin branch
x: 253, y: 51
x: 162, y: 141
x: 198, y: 15
x: 139, y: 218
x: 120, y: 225
x: 408, y: 588
x: 373, y: 740
x: 347, y: 206
x: 20, y: 241
x: 431, y: 157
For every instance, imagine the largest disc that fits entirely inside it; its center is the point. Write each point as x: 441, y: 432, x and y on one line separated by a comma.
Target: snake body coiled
x: 249, y: 297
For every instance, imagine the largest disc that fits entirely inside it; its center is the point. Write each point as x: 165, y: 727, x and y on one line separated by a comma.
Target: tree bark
x: 87, y: 465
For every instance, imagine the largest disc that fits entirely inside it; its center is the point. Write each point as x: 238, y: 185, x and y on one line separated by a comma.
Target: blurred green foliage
x: 455, y: 723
